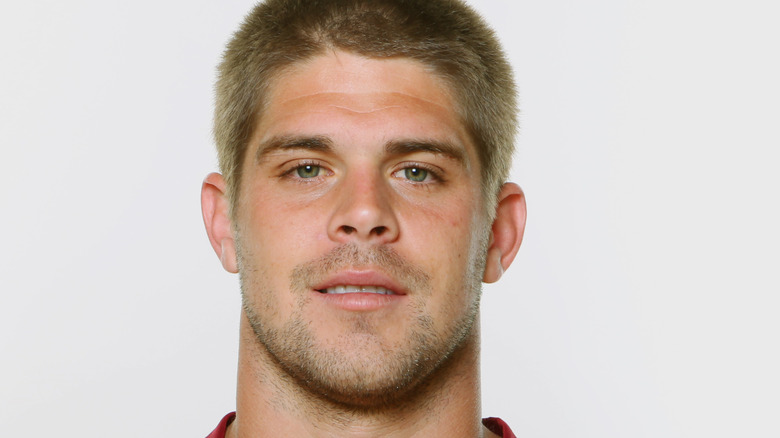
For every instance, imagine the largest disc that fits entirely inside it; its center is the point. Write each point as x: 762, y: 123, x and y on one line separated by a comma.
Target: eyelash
x: 434, y: 174
x: 289, y: 172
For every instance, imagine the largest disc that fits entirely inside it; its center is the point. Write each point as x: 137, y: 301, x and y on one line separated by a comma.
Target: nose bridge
x: 364, y: 209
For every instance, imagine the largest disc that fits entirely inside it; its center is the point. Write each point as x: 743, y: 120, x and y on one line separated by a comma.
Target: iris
x: 415, y: 174
x: 308, y: 171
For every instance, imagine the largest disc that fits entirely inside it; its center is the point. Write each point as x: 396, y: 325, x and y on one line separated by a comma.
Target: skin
x: 314, y: 213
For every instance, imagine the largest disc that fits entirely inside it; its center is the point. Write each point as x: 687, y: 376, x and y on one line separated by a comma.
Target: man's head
x: 354, y: 205
x: 445, y: 36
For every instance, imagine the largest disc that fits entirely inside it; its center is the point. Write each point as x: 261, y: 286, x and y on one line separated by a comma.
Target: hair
x: 446, y: 36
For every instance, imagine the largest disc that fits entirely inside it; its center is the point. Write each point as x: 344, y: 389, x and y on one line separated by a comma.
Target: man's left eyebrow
x: 403, y: 147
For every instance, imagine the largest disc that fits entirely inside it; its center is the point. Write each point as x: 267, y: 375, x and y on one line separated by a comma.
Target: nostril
x: 376, y: 231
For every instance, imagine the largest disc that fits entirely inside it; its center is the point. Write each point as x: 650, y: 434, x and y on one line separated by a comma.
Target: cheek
x: 441, y: 240
x: 447, y: 241
x: 440, y: 223
x: 284, y: 224
x: 276, y: 236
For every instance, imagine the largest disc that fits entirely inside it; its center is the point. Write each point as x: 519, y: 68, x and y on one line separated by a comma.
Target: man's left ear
x: 507, y: 232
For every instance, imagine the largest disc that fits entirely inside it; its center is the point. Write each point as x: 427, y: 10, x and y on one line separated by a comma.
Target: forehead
x: 343, y: 72
x: 387, y: 97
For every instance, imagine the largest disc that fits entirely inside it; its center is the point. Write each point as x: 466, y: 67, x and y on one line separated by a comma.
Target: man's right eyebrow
x: 282, y: 143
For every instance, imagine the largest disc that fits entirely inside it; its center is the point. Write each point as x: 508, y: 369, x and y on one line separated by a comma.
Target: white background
x: 643, y: 303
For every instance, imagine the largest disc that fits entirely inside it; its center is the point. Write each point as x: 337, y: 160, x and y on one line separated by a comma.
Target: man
x: 363, y: 146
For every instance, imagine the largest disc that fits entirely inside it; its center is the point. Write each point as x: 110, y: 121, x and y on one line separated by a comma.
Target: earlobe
x: 493, y: 267
x: 507, y: 232
x: 216, y: 218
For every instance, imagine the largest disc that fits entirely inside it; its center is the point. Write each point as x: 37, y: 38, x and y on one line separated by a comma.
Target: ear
x: 507, y: 232
x: 214, y: 204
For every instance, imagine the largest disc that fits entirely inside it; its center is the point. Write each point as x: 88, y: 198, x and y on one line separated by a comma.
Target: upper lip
x: 358, y: 277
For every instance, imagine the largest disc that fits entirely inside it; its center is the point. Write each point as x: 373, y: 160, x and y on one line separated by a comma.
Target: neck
x: 271, y: 404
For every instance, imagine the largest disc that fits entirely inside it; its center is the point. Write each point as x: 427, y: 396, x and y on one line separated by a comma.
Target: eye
x: 308, y: 170
x: 415, y: 174
x: 418, y: 173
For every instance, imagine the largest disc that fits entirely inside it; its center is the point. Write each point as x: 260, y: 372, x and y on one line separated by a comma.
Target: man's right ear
x: 216, y: 217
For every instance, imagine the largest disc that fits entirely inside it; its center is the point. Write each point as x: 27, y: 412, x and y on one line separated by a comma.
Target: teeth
x: 349, y: 289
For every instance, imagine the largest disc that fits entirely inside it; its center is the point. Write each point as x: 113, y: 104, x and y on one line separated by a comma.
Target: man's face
x: 360, y: 177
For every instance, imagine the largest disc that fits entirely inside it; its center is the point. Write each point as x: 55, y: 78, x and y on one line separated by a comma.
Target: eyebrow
x: 393, y: 147
x: 403, y: 147
x: 288, y: 142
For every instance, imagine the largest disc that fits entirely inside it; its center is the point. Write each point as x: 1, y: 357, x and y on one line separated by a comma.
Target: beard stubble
x: 362, y: 370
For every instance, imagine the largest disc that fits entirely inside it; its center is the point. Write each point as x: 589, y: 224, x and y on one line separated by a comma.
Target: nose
x: 364, y: 211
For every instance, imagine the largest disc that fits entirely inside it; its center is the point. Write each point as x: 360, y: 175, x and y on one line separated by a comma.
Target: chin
x: 360, y: 370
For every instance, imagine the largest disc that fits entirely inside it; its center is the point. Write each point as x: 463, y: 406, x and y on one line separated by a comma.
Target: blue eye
x: 308, y: 171
x: 415, y: 174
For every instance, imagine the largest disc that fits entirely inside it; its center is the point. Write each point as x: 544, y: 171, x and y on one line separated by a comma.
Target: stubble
x: 361, y: 370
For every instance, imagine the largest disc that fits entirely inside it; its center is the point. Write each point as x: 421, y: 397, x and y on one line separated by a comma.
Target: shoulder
x: 498, y: 426
x: 219, y: 432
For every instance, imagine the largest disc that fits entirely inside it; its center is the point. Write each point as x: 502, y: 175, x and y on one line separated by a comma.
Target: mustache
x: 354, y: 256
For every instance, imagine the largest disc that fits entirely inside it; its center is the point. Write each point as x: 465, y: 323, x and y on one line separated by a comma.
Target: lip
x: 362, y: 278
x: 360, y: 301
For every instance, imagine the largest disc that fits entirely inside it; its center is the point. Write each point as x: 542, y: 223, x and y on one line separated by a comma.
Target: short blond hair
x: 445, y: 35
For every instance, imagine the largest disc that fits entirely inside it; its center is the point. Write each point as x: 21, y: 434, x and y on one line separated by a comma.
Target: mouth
x: 353, y: 289
x: 360, y: 282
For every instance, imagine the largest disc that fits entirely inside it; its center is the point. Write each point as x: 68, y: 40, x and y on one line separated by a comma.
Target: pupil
x: 308, y: 171
x: 416, y: 174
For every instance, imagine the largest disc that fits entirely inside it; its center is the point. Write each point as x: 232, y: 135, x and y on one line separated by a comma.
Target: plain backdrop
x: 643, y: 303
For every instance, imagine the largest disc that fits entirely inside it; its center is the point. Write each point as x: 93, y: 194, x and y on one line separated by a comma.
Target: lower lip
x: 360, y: 301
